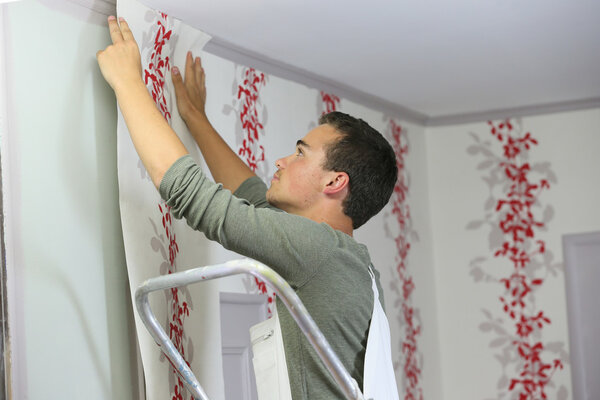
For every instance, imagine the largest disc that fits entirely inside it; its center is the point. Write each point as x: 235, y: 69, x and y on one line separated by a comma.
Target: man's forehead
x: 320, y: 135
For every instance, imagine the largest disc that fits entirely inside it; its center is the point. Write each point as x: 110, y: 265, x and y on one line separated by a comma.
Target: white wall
x: 568, y: 143
x: 71, y: 331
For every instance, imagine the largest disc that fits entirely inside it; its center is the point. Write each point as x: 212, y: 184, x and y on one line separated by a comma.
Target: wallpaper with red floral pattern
x: 515, y: 217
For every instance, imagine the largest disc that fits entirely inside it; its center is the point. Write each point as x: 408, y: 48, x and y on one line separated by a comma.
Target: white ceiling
x: 433, y: 60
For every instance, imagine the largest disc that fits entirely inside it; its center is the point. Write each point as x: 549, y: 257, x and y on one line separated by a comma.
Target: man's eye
x: 299, y: 152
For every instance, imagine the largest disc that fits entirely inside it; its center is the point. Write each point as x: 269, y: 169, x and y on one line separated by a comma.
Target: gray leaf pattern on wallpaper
x: 540, y: 266
x: 146, y: 45
x: 159, y: 244
x: 156, y: 48
x: 251, y: 121
x: 254, y: 101
x: 398, y: 226
x: 142, y: 170
x: 227, y: 109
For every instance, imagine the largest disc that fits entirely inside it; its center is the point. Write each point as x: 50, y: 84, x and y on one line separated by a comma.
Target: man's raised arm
x: 225, y: 166
x: 155, y: 142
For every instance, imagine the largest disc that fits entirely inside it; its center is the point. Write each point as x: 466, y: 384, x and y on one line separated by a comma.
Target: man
x: 341, y: 173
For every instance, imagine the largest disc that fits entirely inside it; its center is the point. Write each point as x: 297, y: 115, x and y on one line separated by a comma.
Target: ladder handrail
x: 283, y: 290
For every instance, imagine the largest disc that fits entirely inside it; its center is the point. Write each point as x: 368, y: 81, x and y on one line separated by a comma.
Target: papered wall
x: 502, y: 195
x: 261, y: 117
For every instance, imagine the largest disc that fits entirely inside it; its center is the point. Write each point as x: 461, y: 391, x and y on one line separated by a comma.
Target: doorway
x: 238, y: 313
x: 582, y: 276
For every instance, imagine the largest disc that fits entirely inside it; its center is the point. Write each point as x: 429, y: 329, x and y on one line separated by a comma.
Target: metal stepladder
x: 283, y: 290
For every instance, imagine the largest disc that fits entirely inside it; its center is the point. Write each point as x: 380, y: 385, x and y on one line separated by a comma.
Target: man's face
x: 300, y: 177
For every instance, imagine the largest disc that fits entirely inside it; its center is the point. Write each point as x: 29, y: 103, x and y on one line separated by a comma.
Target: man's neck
x: 343, y: 227
x: 336, y: 221
x: 329, y: 212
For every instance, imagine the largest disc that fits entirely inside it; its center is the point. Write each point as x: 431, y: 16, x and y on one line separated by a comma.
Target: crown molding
x: 282, y: 70
x: 239, y: 55
x: 104, y: 7
x: 515, y: 112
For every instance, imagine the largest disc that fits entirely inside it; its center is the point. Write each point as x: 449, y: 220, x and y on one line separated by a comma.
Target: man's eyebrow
x: 302, y: 143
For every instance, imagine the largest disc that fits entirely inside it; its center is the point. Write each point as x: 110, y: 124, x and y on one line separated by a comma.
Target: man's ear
x: 338, y: 182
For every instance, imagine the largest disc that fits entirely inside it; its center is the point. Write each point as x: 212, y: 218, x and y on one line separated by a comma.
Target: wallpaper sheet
x: 155, y: 243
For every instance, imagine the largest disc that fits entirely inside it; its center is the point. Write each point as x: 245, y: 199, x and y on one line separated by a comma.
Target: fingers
x: 199, y: 72
x: 125, y: 31
x: 115, y: 31
x: 119, y: 31
x: 178, y: 83
x: 190, y: 77
x: 181, y: 95
x: 120, y: 62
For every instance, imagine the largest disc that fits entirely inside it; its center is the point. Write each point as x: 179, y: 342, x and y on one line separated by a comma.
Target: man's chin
x: 270, y: 198
x: 275, y: 202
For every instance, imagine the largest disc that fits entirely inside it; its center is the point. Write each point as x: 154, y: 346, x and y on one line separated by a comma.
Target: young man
x: 341, y: 173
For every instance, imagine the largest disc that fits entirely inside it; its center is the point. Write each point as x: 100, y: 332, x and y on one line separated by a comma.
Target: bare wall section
x: 73, y: 322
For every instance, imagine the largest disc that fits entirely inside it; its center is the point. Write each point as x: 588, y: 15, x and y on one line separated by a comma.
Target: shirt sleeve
x: 294, y: 246
x: 255, y: 191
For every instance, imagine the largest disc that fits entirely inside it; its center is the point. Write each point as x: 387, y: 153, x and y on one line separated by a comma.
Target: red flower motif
x: 400, y: 210
x: 248, y: 94
x: 518, y: 224
x: 330, y: 102
x: 154, y: 77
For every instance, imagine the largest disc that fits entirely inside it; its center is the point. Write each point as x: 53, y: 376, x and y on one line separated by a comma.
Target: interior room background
x: 444, y: 244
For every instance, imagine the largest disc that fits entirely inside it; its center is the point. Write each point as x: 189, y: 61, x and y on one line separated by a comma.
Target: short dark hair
x: 368, y: 159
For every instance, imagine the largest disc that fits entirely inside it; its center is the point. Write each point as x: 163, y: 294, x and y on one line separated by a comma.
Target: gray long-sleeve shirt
x: 327, y: 268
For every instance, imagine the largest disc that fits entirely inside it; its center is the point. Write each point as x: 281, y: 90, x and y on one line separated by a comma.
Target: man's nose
x: 280, y: 163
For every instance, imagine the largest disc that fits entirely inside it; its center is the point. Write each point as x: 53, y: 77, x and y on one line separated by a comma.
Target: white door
x: 582, y: 275
x: 238, y: 313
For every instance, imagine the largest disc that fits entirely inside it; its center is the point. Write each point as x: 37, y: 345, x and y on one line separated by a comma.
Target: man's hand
x: 155, y: 142
x: 191, y: 92
x: 224, y: 164
x: 120, y: 62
